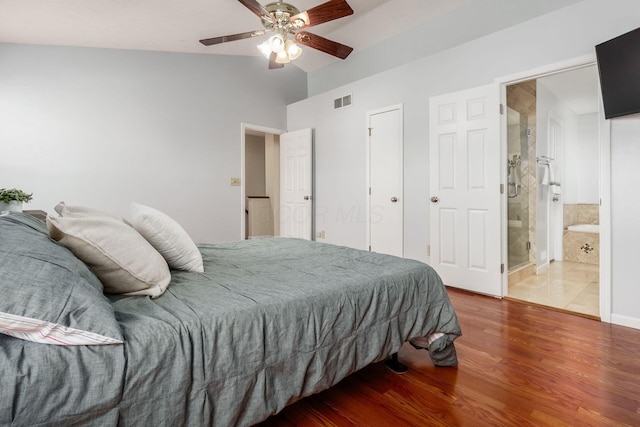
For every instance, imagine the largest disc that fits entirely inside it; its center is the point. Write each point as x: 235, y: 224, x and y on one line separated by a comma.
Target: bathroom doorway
x: 553, y: 191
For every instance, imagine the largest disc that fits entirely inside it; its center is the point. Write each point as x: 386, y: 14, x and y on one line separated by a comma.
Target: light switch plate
x: 235, y: 182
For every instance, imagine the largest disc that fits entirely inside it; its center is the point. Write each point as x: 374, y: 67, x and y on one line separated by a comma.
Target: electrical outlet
x: 320, y: 234
x: 234, y: 182
x: 428, y: 250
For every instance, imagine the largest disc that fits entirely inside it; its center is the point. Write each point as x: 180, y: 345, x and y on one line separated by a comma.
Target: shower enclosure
x: 518, y: 187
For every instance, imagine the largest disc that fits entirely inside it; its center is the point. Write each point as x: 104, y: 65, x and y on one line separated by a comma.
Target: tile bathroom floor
x: 565, y: 285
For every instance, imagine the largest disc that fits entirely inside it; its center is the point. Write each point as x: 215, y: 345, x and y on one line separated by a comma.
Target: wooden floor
x: 519, y: 365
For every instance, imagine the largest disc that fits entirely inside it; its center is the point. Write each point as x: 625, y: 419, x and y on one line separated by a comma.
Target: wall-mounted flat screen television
x: 619, y: 68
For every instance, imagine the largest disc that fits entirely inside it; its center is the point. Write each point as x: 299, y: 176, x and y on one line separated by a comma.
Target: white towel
x: 545, y: 174
x: 552, y: 178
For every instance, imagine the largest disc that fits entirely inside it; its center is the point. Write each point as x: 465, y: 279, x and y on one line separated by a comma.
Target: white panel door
x: 296, y: 209
x: 385, y: 182
x: 464, y: 152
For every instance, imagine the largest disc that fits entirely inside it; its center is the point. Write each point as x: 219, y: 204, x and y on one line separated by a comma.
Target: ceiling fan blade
x: 232, y: 37
x: 272, y: 61
x: 257, y: 8
x: 325, y: 12
x: 325, y: 45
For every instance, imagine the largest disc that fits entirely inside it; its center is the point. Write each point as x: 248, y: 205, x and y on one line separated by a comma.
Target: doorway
x: 553, y: 169
x: 260, y: 182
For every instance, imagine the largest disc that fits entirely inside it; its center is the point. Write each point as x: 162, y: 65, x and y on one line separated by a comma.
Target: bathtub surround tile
x: 580, y: 213
x: 589, y: 214
x: 581, y: 247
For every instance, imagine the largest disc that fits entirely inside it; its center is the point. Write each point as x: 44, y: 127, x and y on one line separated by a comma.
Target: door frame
x: 604, y: 173
x: 244, y: 127
x: 370, y: 113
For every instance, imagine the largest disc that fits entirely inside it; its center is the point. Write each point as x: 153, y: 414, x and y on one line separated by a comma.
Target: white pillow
x: 122, y: 259
x: 168, y: 237
x: 82, y: 211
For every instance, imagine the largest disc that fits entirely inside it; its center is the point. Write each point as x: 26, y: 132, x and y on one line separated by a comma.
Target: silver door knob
x: 394, y: 199
x: 434, y: 199
x: 306, y: 197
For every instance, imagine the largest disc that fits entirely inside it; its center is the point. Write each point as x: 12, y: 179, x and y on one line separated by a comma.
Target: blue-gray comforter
x: 268, y: 322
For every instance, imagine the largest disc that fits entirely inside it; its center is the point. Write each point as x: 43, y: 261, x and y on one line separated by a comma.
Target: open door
x: 465, y: 224
x: 296, y: 185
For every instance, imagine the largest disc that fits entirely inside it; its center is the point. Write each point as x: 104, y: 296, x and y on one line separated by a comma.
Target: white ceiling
x: 177, y: 25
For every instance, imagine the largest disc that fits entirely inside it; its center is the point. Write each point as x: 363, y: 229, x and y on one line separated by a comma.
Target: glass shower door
x: 518, y: 188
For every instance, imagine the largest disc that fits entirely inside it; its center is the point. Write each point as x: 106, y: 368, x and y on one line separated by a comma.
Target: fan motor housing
x: 280, y: 12
x: 273, y: 8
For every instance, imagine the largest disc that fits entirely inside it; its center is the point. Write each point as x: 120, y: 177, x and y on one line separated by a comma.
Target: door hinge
x: 369, y: 190
x: 369, y: 131
x: 501, y: 188
x: 501, y: 109
x: 502, y: 268
x: 369, y: 248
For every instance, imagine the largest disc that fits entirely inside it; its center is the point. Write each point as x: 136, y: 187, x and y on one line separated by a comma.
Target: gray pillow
x: 48, y: 295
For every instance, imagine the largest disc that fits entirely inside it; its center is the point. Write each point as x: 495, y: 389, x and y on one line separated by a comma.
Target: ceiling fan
x: 284, y: 19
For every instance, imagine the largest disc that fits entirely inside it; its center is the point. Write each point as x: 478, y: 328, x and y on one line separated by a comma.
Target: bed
x: 267, y: 322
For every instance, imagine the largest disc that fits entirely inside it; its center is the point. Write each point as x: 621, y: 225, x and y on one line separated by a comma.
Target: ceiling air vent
x: 345, y: 101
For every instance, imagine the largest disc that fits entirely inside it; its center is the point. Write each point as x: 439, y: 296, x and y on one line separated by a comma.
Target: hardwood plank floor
x: 519, y: 365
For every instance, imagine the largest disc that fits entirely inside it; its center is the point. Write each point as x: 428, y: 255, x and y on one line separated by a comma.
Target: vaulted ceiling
x: 177, y: 25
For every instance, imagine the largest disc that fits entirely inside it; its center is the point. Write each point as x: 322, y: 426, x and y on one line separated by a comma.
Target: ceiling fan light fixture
x: 265, y: 49
x: 292, y: 49
x: 284, y: 20
x: 276, y: 43
x: 282, y: 57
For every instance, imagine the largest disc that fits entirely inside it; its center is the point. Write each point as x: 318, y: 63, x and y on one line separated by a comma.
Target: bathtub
x: 585, y: 228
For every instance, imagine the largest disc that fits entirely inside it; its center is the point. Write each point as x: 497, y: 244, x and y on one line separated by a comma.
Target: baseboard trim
x: 631, y: 322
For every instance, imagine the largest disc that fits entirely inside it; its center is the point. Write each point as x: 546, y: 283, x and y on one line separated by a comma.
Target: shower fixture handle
x: 434, y: 199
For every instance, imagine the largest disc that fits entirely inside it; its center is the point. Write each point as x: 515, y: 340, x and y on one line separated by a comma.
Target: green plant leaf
x: 8, y: 195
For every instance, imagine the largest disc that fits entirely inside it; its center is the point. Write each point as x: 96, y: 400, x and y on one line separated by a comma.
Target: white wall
x: 341, y: 134
x: 103, y: 128
x: 472, y: 20
x: 625, y: 230
x: 587, y: 152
